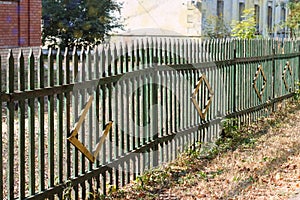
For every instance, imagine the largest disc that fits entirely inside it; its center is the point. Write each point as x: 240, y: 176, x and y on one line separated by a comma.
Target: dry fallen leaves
x: 270, y: 169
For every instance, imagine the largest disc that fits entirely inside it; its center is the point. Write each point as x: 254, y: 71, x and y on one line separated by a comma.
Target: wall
x: 20, y: 23
x: 231, y: 12
x: 161, y: 17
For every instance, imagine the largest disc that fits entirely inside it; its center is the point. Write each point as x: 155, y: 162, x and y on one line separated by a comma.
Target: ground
x: 260, y: 161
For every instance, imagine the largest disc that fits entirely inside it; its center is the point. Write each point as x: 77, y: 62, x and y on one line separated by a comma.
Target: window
x: 283, y: 15
x: 270, y: 18
x: 283, y: 18
x: 191, y: 4
x: 241, y: 10
x: 220, y: 8
x: 256, y: 15
x: 203, y: 21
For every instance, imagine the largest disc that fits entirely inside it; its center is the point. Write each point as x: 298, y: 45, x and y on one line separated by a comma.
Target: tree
x: 216, y: 27
x: 78, y: 22
x: 246, y: 28
x: 293, y: 20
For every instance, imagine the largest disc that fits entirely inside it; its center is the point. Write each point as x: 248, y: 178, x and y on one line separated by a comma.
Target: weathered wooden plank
x: 67, y: 109
x: 41, y: 129
x: 51, y: 119
x: 31, y: 123
x: 59, y: 118
x: 10, y: 131
x: 82, y: 102
x: 90, y: 119
x: 75, y: 97
x: 21, y: 111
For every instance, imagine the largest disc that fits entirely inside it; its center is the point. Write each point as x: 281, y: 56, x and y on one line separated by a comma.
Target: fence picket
x: 41, y: 118
x: 21, y: 110
x: 10, y: 117
x: 51, y: 119
x: 75, y: 101
x: 82, y: 102
x: 67, y: 109
x: 31, y: 123
x: 59, y: 123
x: 127, y: 132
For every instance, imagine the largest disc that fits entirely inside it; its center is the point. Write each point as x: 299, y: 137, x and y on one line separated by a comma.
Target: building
x: 189, y: 17
x: 268, y: 13
x: 20, y: 23
x: 161, y: 17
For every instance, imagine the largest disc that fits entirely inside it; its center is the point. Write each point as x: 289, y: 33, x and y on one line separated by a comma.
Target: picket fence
x: 75, y: 123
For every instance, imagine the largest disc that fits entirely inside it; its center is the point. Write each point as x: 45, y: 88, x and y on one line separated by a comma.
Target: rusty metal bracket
x: 73, y: 139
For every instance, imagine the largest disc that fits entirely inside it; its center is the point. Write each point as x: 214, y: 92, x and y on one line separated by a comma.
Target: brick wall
x: 20, y: 23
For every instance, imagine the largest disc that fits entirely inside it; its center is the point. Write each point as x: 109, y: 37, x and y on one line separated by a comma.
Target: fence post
x: 155, y: 118
x: 273, y: 77
x: 234, y: 80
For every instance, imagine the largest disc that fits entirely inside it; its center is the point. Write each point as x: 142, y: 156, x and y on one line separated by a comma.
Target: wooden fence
x: 152, y: 98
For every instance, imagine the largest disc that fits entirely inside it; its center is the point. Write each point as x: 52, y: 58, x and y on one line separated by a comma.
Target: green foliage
x: 153, y: 178
x: 78, y: 22
x: 67, y: 194
x: 293, y: 20
x: 230, y: 138
x: 216, y: 27
x: 297, y: 92
x: 230, y: 128
x: 246, y: 28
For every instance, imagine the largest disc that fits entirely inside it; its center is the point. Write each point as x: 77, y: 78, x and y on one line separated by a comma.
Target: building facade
x: 20, y: 23
x: 189, y: 17
x: 269, y: 14
x: 161, y: 17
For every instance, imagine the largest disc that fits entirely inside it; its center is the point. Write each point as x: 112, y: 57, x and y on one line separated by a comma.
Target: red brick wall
x: 20, y: 23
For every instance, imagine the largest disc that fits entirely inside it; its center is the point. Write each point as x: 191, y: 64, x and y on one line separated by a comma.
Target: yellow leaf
x: 278, y: 177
